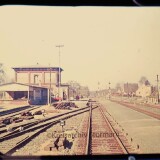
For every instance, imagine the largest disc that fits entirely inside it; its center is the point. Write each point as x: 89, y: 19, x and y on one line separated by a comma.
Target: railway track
x: 118, y: 131
x: 32, y: 122
x: 100, y: 133
x: 9, y: 143
x: 16, y: 125
x: 82, y: 142
x: 102, y: 136
x: 145, y: 110
x: 17, y: 111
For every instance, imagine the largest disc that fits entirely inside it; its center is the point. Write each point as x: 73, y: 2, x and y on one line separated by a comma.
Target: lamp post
x: 109, y: 90
x: 59, y: 72
x: 98, y: 90
x: 127, y: 90
x: 49, y: 90
x: 121, y: 95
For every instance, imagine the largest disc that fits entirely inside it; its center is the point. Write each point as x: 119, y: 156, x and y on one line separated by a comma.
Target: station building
x: 35, y: 83
x: 23, y: 94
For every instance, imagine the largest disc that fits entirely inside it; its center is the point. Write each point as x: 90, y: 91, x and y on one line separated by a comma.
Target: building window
x: 35, y: 79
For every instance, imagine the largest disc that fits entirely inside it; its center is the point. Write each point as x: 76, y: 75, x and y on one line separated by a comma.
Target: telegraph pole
x: 50, y: 85
x: 98, y: 90
x: 59, y: 83
x: 157, y: 89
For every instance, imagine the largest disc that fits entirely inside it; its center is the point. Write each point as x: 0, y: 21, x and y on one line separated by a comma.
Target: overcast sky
x: 101, y: 44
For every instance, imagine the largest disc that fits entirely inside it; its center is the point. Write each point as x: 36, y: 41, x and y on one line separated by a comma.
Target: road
x: 144, y: 129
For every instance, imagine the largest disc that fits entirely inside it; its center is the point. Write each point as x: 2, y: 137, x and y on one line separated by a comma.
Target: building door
x: 64, y: 95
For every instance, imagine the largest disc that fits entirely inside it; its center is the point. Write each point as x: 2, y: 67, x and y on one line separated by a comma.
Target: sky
x: 101, y: 44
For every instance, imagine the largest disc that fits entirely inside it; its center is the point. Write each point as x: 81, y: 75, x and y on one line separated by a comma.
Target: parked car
x: 54, y: 99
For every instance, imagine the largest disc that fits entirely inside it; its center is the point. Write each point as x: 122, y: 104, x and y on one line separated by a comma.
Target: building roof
x: 35, y: 67
x: 62, y: 85
x: 17, y: 87
x: 130, y: 87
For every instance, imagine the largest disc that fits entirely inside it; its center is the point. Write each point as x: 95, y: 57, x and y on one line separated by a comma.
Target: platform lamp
x: 158, y: 100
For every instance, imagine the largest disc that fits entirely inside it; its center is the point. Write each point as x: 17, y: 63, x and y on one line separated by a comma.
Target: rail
x: 34, y: 131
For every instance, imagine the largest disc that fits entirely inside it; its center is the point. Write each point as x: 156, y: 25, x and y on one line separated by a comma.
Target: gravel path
x: 144, y: 129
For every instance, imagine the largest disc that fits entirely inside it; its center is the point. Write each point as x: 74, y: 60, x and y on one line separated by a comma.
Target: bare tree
x: 75, y: 89
x: 144, y: 80
x: 73, y: 86
x: 2, y: 74
x: 119, y: 86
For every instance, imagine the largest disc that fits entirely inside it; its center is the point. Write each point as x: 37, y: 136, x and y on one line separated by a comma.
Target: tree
x: 147, y: 83
x: 119, y: 86
x: 2, y: 74
x: 144, y: 80
x: 73, y: 86
x: 76, y: 89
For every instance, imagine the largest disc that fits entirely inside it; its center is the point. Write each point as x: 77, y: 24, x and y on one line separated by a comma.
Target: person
x: 43, y: 112
x: 77, y: 97
x: 65, y: 143
x: 56, y: 143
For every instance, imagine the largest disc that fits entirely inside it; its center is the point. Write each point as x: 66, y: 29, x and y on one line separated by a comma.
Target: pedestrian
x: 65, y: 143
x: 44, y: 114
x: 43, y: 111
x: 56, y: 143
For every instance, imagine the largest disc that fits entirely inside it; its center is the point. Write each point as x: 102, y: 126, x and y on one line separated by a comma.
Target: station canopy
x: 13, y: 87
x: 16, y: 87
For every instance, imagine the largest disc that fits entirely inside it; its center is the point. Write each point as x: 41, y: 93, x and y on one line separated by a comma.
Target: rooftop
x: 35, y: 67
x: 13, y: 86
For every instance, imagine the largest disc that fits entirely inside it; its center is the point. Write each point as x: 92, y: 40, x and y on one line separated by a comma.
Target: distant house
x: 130, y: 88
x: 144, y: 90
x: 153, y: 98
